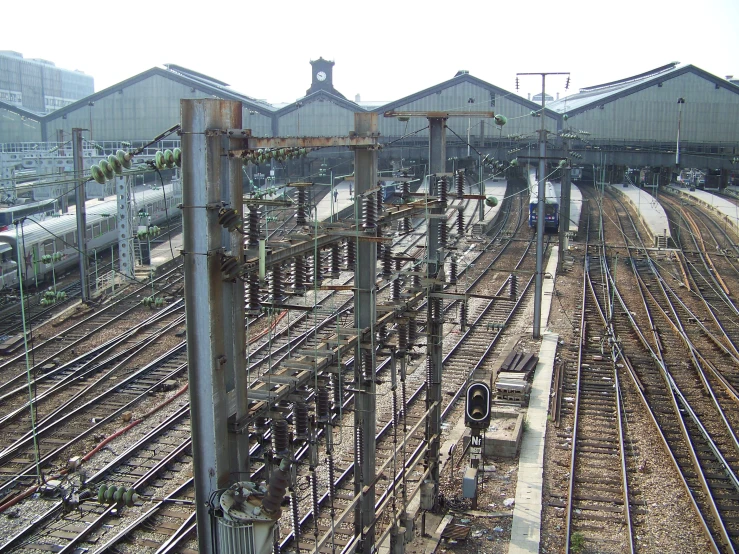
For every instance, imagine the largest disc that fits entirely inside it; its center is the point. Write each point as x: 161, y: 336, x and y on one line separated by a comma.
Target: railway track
x: 146, y: 467
x: 180, y: 536
x: 469, y: 352
x: 84, y: 375
x: 682, y: 404
x: 599, y: 505
x: 54, y: 436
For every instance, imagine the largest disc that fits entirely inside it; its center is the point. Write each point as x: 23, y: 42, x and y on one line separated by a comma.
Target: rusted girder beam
x: 253, y: 143
x: 442, y: 115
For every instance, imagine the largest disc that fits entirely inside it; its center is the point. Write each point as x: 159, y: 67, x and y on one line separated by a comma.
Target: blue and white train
x: 59, y: 234
x: 551, y: 206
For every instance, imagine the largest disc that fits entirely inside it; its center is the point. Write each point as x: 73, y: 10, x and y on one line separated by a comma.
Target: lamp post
x: 680, y: 102
x: 325, y: 172
x: 469, y: 126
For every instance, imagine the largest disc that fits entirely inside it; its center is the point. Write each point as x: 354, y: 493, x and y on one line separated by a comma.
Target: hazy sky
x: 383, y: 50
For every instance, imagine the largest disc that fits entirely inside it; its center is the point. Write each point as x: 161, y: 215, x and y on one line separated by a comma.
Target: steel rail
x: 136, y: 303
x: 388, y: 426
x: 46, y: 517
x: 676, y: 399
x: 89, y: 369
x: 56, y: 425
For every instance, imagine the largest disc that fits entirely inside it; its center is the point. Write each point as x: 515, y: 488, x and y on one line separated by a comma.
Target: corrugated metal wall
x: 139, y: 112
x: 260, y: 125
x: 319, y: 118
x: 709, y: 114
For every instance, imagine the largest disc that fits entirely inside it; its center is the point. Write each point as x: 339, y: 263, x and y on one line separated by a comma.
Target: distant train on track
x: 42, y: 208
x: 551, y: 206
x: 389, y: 188
x: 59, y: 234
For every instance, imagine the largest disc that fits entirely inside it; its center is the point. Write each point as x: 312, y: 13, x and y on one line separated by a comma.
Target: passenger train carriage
x: 59, y: 234
x: 551, y: 207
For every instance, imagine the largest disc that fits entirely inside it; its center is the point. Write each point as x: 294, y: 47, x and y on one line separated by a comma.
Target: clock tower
x: 322, y: 77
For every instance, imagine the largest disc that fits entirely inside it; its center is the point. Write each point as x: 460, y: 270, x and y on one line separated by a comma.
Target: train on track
x: 551, y: 206
x: 42, y: 208
x: 58, y: 234
x: 388, y: 190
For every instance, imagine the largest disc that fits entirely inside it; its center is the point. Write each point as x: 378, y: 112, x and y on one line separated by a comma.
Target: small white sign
x: 477, y: 456
x: 476, y: 440
x: 271, y: 172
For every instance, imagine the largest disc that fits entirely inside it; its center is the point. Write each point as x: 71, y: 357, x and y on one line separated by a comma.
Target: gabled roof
x: 194, y: 74
x: 315, y: 96
x: 598, y: 95
x: 21, y: 111
x: 198, y: 84
x: 462, y: 78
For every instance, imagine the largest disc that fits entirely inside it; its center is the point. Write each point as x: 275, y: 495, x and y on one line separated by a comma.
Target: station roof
x: 179, y: 74
x: 461, y: 77
x: 608, y: 92
x: 21, y: 111
x: 318, y: 95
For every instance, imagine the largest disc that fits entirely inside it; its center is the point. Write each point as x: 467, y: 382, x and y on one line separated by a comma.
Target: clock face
x: 321, y: 76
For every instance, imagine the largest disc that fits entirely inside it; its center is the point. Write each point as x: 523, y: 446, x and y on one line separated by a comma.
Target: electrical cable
x: 464, y: 141
x: 30, y: 327
x: 31, y: 402
x: 166, y: 213
x: 407, y: 135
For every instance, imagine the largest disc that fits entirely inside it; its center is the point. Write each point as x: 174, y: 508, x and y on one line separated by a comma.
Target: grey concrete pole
x: 207, y: 352
x: 232, y: 189
x: 564, y: 211
x: 125, y: 225
x: 564, y: 205
x: 437, y: 164
x: 435, y: 325
x: 365, y: 315
x: 538, y: 283
x: 80, y: 198
x: 481, y: 205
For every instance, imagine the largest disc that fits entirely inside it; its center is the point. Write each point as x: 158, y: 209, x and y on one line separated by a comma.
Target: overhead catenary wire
x: 31, y: 403
x: 166, y: 213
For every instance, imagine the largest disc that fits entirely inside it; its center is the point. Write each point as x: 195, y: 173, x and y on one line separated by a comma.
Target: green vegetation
x: 577, y: 542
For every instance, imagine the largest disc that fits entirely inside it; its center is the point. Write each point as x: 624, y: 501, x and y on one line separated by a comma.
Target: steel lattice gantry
x: 223, y: 404
x: 212, y: 179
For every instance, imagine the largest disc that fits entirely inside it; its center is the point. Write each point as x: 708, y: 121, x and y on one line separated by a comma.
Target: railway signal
x: 477, y: 409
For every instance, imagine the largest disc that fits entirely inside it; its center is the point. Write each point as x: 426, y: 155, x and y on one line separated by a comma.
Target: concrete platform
x: 161, y: 254
x: 503, y: 438
x: 575, y: 205
x: 330, y: 205
x: 526, y: 525
x: 492, y: 188
x: 650, y: 211
x: 727, y: 210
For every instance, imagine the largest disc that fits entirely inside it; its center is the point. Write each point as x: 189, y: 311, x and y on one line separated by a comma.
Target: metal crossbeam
x: 441, y: 115
x: 253, y: 143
